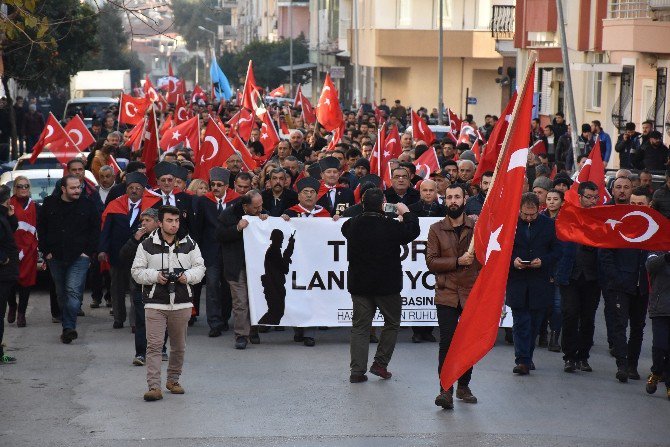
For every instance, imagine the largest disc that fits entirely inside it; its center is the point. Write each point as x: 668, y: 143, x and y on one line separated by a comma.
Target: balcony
x: 640, y: 26
x: 502, y: 22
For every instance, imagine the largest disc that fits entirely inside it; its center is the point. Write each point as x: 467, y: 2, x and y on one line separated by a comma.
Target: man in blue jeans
x: 68, y: 228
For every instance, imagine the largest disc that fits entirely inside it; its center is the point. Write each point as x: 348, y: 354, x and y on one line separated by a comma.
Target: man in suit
x: 205, y: 223
x: 278, y: 199
x: 529, y: 291
x: 120, y: 221
x: 100, y: 280
x: 120, y: 188
x: 332, y: 197
x: 165, y: 175
x: 401, y: 190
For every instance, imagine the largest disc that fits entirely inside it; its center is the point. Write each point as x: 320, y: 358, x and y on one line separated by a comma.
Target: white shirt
x: 170, y: 199
x: 136, y: 210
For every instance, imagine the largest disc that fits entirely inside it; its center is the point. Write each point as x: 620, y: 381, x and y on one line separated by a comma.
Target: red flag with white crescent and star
x: 420, y: 130
x: 150, y: 149
x: 79, y: 133
x: 593, y: 171
x: 149, y: 90
x: 618, y: 226
x: 187, y: 132
x: 269, y: 138
x: 427, y: 163
x: 132, y: 110
x: 243, y: 123
x: 56, y: 140
x: 328, y: 111
x: 135, y: 136
x: 215, y: 150
x: 494, y: 235
x: 180, y: 111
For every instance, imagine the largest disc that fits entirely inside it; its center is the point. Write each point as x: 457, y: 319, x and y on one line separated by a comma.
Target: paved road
x: 280, y: 393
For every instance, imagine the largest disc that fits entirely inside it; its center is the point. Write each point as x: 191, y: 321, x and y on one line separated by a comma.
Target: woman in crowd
x: 198, y: 187
x: 25, y: 211
x: 554, y: 201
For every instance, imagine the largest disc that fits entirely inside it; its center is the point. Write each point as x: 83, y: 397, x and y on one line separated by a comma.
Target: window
x: 404, y: 13
x: 484, y: 11
x: 447, y: 8
x: 594, y: 81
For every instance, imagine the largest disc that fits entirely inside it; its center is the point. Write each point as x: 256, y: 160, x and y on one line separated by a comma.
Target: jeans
x: 365, y: 307
x: 631, y: 307
x: 556, y: 319
x: 69, y: 279
x: 140, y: 325
x: 579, y: 302
x: 5, y: 291
x: 217, y: 296
x: 447, y: 319
x: 660, y: 347
x: 525, y: 329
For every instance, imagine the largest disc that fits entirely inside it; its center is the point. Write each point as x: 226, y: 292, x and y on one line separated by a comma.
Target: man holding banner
x: 375, y: 279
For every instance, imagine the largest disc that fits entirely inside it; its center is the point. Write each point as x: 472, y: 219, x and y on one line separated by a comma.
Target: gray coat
x: 658, y: 266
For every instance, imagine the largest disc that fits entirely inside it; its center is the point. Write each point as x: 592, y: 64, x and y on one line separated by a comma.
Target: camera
x: 391, y: 208
x: 172, y: 278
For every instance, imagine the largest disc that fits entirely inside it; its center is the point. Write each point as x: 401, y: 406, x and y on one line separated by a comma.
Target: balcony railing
x: 629, y: 9
x: 502, y: 22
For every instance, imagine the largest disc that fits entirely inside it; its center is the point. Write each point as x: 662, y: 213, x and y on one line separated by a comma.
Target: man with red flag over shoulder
x: 455, y: 270
x: 333, y: 197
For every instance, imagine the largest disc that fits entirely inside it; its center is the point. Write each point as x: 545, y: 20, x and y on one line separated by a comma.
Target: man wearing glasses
x: 401, y: 190
x: 172, y: 196
x: 577, y: 278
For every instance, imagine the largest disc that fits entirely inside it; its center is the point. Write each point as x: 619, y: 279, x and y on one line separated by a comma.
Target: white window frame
x: 594, y: 83
x: 447, y: 13
x: 404, y: 13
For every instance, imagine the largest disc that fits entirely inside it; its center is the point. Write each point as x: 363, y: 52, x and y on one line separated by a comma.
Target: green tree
x: 112, y: 51
x: 189, y: 14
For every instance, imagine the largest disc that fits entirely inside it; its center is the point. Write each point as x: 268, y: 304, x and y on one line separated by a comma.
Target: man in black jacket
x: 374, y: 279
x: 171, y: 195
x: 661, y: 198
x: 401, y: 190
x: 229, y: 234
x: 68, y: 228
x: 9, y: 261
x: 278, y: 199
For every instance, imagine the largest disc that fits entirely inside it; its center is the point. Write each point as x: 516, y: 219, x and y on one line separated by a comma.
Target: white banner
x: 297, y: 275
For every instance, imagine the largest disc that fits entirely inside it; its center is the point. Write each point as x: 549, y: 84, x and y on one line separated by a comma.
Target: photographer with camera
x: 374, y: 279
x: 166, y: 265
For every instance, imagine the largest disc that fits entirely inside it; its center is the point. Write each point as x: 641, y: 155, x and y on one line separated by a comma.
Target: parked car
x: 42, y: 181
x: 439, y: 131
x: 45, y: 160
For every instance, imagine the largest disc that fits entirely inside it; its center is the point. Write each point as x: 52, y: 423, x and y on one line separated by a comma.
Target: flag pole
x: 532, y: 58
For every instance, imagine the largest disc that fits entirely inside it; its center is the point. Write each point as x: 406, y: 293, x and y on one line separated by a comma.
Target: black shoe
x: 215, y: 332
x: 117, y: 325
x: 241, y: 342
x: 81, y: 313
x: 416, y: 338
x: 298, y: 335
x: 554, y: 344
x: 445, y: 399
x: 428, y: 337
x: 373, y: 338
x: 509, y: 336
x: 95, y: 304
x: 521, y: 369
x: 68, y: 336
x: 584, y: 366
x: 570, y: 366
x: 308, y: 341
x: 622, y: 374
x: 633, y: 374
x: 254, y: 339
x: 358, y: 378
x: 543, y: 340
x: 108, y: 303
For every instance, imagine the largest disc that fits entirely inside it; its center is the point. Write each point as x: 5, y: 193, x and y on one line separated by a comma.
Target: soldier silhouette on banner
x: 274, y: 280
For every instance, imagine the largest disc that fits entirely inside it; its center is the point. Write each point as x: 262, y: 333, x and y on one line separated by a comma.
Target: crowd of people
x: 160, y: 245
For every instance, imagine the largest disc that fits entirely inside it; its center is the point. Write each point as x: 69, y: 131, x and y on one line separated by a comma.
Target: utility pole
x: 569, y: 97
x: 290, y: 47
x: 318, y: 42
x: 440, y: 70
x: 197, y: 59
x: 357, y: 68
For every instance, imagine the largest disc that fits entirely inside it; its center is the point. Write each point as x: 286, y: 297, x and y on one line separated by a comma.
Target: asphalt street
x: 281, y: 393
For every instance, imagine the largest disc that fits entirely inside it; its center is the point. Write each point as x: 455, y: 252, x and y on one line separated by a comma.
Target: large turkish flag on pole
x: 187, y: 132
x: 132, y: 110
x: 420, y: 130
x: 56, y: 140
x: 328, y: 111
x: 593, y: 171
x: 151, y: 150
x: 617, y: 226
x: 79, y: 133
x: 214, y: 151
x: 494, y: 236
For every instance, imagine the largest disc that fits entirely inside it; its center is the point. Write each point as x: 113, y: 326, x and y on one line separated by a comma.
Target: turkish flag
x: 54, y: 139
x: 495, y: 230
x: 167, y: 124
x: 132, y: 110
x: 151, y: 149
x: 328, y: 112
x: 162, y: 103
x: 420, y: 130
x: 614, y: 226
x: 593, y: 171
x: 215, y: 150
x: 25, y: 237
x: 427, y: 163
x: 175, y: 87
x: 149, y: 90
x: 187, y: 132
x: 539, y: 147
x: 376, y: 158
x: 489, y: 159
x: 79, y: 133
x: 251, y: 99
x: 454, y: 121
x: 135, y: 137
x: 180, y: 111
x: 198, y: 94
x: 466, y: 134
x: 308, y: 114
x: 337, y: 137
x: 476, y: 150
x: 269, y: 137
x: 279, y: 92
x: 243, y: 123
x: 243, y: 151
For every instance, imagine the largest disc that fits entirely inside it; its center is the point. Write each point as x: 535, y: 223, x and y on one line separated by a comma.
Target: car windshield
x: 39, y: 187
x: 88, y: 110
x: 40, y: 163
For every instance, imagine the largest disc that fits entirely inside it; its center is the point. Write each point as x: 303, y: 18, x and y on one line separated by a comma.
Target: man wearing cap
x: 361, y: 167
x: 120, y: 188
x: 562, y: 182
x: 332, y: 197
x: 278, y: 199
x: 170, y: 195
x: 653, y: 155
x: 474, y: 204
x: 442, y: 181
x: 148, y: 223
x: 205, y: 223
x: 180, y: 178
x: 120, y: 221
x: 308, y: 188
